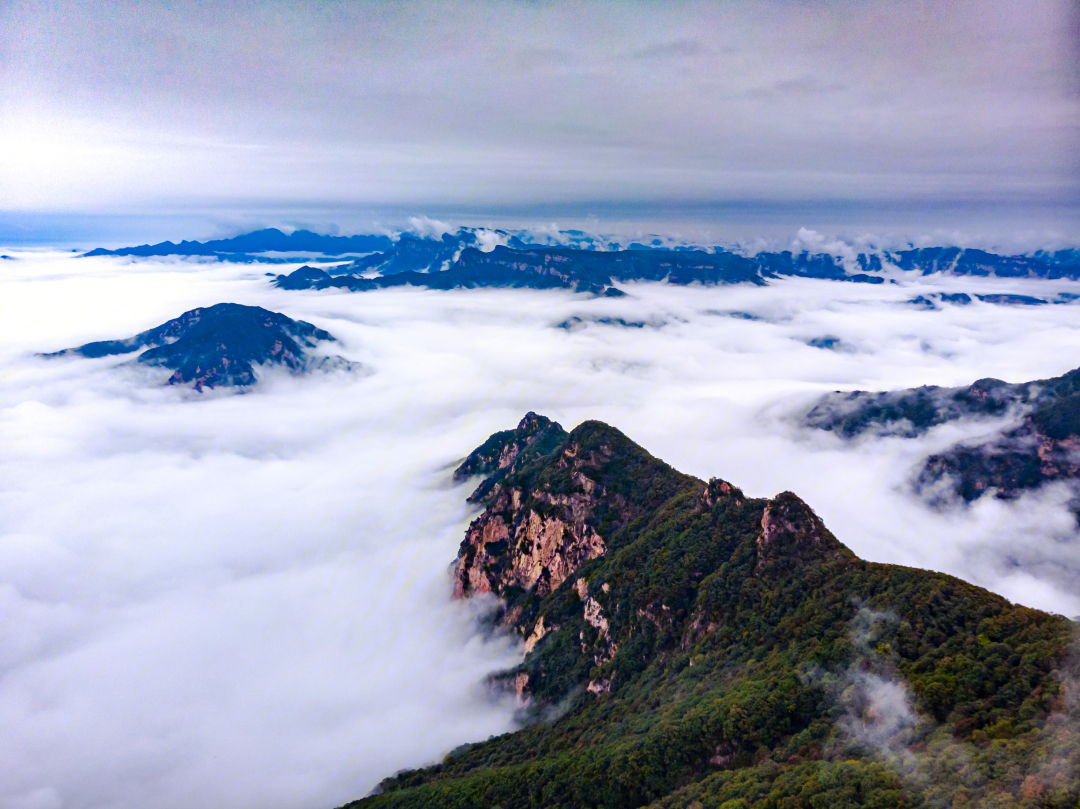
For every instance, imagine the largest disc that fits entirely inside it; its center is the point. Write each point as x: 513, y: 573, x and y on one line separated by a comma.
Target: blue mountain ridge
x: 259, y: 241
x: 385, y: 256
x: 1039, y: 445
x: 455, y: 261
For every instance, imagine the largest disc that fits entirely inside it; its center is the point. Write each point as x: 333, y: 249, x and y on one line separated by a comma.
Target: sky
x: 864, y: 112
x: 233, y: 600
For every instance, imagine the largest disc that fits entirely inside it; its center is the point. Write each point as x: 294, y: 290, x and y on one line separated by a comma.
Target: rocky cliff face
x: 793, y: 535
x: 530, y: 538
x: 221, y: 345
x: 558, y: 505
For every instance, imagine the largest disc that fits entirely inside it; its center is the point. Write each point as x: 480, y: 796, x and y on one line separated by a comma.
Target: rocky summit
x: 1039, y: 444
x: 220, y: 345
x: 686, y: 645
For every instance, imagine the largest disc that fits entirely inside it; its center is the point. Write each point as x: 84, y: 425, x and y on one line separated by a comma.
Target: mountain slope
x: 220, y: 345
x: 690, y: 646
x: 1043, y: 448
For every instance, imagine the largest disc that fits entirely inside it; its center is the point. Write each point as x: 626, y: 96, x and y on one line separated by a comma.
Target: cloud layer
x: 231, y: 600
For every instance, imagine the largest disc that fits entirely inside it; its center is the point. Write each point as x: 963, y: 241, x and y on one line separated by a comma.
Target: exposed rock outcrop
x: 559, y: 504
x: 509, y: 450
x: 793, y: 535
x: 529, y: 540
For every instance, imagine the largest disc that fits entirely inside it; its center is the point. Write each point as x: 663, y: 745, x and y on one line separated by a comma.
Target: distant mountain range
x: 547, y: 268
x: 448, y: 264
x: 455, y: 262
x: 241, y: 248
x: 687, y: 646
x: 586, y: 263
x: 221, y: 345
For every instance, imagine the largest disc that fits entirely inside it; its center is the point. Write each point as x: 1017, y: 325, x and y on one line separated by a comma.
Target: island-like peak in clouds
x: 689, y: 646
x: 1041, y: 444
x: 221, y: 345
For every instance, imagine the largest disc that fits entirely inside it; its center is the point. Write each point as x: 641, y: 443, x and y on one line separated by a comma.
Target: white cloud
x: 427, y: 228
x: 815, y: 243
x: 490, y: 239
x: 243, y: 599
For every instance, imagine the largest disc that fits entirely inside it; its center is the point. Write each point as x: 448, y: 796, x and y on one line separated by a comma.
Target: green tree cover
x: 758, y: 668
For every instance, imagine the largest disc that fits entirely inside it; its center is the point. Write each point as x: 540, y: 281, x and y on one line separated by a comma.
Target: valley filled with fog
x: 233, y: 599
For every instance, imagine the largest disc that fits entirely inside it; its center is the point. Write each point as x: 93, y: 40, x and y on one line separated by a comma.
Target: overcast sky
x: 540, y: 108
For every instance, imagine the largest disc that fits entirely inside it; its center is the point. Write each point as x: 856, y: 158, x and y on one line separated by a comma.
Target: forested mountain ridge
x: 1041, y: 446
x: 457, y: 262
x: 689, y: 646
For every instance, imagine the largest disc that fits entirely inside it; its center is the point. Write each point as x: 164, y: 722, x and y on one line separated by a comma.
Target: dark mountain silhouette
x: 551, y: 268
x: 426, y: 255
x: 454, y: 261
x: 220, y: 345
x: 258, y: 241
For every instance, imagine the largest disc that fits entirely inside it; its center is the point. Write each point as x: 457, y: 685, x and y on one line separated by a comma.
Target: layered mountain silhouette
x: 689, y: 646
x: 1042, y: 445
x: 550, y: 268
x: 240, y: 248
x: 455, y: 262
x: 221, y: 345
x: 594, y: 266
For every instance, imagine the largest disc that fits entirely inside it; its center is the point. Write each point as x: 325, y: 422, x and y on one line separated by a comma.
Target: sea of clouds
x: 239, y: 600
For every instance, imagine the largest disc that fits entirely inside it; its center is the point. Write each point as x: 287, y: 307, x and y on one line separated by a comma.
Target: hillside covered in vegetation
x: 689, y: 646
x: 1043, y: 446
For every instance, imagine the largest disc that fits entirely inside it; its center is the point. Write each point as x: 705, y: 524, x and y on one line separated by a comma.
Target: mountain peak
x: 735, y: 654
x: 220, y: 345
x: 792, y: 534
x: 509, y: 450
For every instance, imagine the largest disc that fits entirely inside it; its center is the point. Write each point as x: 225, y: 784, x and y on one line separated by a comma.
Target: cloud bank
x: 230, y: 600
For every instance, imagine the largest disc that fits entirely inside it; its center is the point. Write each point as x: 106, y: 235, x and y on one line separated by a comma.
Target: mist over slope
x: 248, y: 594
